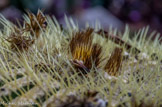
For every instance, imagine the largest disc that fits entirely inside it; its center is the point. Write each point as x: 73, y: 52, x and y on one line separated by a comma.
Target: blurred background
x: 115, y: 13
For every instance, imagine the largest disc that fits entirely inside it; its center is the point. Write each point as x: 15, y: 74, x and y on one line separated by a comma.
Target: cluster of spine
x: 19, y: 41
x: 87, y: 54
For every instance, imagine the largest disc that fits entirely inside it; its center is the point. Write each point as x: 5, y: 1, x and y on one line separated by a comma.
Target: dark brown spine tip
x: 114, y: 63
x: 118, y: 41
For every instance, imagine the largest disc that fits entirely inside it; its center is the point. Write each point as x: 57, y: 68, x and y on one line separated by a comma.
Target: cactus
x: 43, y: 64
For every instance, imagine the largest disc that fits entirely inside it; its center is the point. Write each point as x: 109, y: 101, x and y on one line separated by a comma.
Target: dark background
x: 116, y: 13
